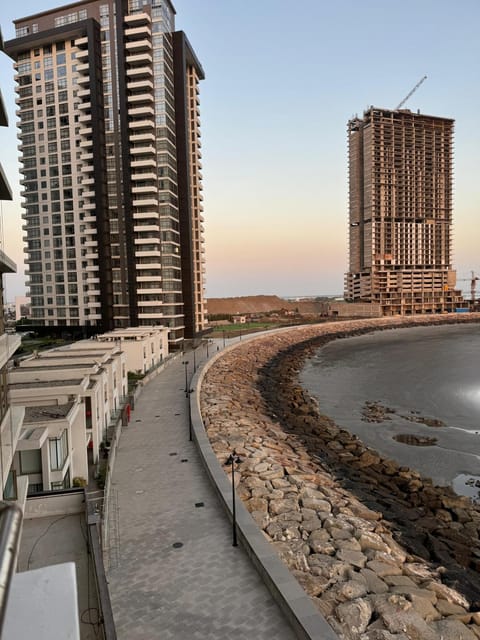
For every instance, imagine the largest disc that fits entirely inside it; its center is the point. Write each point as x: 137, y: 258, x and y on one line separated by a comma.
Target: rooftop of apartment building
x: 130, y: 333
x: 46, y: 383
x: 47, y: 412
x: 52, y: 367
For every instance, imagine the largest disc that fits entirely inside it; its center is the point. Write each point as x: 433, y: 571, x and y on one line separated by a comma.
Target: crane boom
x: 411, y: 93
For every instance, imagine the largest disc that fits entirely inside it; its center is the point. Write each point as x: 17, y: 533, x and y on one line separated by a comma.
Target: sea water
x: 421, y: 372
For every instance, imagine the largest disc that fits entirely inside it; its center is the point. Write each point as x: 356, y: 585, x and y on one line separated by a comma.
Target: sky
x: 282, y: 81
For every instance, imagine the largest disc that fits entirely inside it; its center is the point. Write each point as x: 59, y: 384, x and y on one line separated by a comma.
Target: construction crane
x: 473, y: 285
x: 411, y: 93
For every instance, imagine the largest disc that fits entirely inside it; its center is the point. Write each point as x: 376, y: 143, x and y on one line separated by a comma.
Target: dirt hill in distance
x: 260, y: 304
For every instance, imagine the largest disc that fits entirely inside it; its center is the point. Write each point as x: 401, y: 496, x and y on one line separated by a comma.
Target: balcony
x: 138, y: 72
x: 136, y: 19
x: 140, y: 176
x: 141, y: 137
x: 152, y: 188
x: 138, y: 98
x: 143, y: 162
x: 144, y: 202
x: 83, y: 79
x: 144, y: 110
x: 138, y: 33
x: 146, y: 228
x: 139, y: 151
x: 142, y: 124
x: 140, y: 84
x: 139, y: 58
x: 138, y: 45
x: 147, y: 215
x: 148, y: 241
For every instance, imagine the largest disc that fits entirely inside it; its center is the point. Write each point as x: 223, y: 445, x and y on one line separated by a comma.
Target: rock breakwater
x: 383, y: 553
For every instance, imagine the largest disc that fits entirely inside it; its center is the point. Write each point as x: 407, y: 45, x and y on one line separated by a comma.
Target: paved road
x: 173, y: 571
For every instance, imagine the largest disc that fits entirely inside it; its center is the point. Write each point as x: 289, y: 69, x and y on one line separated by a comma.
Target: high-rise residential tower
x: 108, y: 101
x: 400, y: 222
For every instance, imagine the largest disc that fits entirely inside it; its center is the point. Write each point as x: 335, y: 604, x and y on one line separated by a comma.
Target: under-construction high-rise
x: 400, y: 201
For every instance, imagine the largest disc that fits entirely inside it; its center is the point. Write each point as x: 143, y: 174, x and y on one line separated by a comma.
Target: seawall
x: 378, y: 548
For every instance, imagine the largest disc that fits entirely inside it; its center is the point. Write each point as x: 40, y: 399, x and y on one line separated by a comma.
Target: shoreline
x: 392, y: 409
x: 296, y: 459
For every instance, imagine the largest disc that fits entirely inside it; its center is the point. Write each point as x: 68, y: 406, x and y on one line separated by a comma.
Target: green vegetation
x: 101, y: 474
x: 31, y: 344
x: 233, y: 330
x: 133, y: 379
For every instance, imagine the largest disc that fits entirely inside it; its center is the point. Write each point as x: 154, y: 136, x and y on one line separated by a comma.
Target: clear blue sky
x: 282, y: 80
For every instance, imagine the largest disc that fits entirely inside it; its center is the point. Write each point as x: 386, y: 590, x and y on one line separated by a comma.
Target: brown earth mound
x: 260, y: 304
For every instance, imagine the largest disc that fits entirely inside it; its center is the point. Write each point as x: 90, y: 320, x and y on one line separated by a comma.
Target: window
x: 30, y: 461
x: 22, y: 31
x: 58, y: 451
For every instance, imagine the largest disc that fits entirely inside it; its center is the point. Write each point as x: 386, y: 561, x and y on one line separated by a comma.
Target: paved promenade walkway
x: 173, y: 571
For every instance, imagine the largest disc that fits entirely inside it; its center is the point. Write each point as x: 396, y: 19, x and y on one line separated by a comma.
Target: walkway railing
x: 10, y: 527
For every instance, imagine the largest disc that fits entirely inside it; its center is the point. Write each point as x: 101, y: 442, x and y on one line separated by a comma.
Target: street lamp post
x: 233, y: 459
x: 194, y: 361
x: 189, y: 393
x: 223, y: 338
x: 185, y: 363
x: 207, y: 346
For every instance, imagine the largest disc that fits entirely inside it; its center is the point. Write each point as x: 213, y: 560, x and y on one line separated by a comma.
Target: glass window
x: 30, y: 461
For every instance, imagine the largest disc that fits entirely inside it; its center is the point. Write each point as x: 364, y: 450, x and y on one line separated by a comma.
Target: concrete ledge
x: 305, y: 619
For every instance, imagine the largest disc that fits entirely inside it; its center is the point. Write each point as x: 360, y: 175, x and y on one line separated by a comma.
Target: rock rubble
x: 383, y: 553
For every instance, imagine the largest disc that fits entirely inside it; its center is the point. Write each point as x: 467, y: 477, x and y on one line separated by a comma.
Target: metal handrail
x: 10, y: 528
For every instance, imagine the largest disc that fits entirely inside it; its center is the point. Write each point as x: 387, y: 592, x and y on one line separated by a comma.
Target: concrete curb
x: 303, y: 616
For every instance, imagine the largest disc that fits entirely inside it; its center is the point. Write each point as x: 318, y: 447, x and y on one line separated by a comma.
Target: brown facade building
x: 400, y: 212
x: 108, y: 101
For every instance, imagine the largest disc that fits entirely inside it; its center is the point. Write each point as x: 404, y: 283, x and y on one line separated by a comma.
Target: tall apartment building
x: 400, y: 219
x: 108, y: 102
x: 11, y: 418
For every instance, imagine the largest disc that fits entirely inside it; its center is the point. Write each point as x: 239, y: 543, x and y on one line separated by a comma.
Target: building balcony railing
x: 144, y: 110
x: 145, y: 202
x: 138, y: 72
x: 136, y: 98
x: 83, y: 106
x: 83, y: 79
x: 151, y: 188
x: 135, y: 85
x: 143, y: 44
x: 144, y: 57
x: 141, y: 150
x: 142, y: 136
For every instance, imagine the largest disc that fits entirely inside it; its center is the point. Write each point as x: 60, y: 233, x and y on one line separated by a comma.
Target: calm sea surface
x: 433, y: 371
